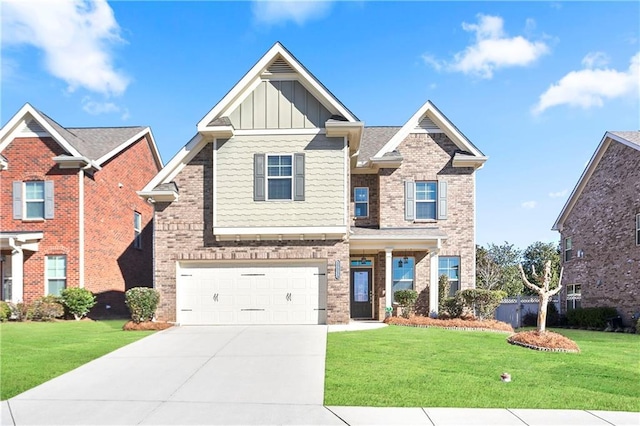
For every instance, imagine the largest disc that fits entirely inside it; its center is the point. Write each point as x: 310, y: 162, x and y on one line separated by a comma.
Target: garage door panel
x: 268, y: 294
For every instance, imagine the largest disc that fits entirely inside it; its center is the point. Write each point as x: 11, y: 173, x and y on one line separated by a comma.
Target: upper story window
x: 568, y: 249
x: 137, y: 230
x: 33, y: 200
x: 403, y: 274
x: 56, y: 274
x: 450, y: 266
x: 638, y: 229
x: 278, y: 177
x: 361, y: 198
x: 425, y: 200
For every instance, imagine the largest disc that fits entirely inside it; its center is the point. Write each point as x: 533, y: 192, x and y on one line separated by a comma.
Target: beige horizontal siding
x: 324, y: 182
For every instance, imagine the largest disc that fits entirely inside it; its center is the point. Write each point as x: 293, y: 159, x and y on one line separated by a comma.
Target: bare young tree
x: 543, y: 291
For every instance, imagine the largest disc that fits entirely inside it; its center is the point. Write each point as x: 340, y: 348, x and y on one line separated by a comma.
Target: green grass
x: 32, y: 352
x: 429, y: 367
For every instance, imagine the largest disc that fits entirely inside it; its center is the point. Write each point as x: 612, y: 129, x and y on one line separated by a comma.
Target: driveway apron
x: 191, y: 375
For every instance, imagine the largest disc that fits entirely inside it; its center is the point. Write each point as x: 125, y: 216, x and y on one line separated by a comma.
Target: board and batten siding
x: 324, y: 182
x: 278, y: 104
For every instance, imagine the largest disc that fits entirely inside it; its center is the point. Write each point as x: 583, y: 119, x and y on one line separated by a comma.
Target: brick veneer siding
x: 30, y: 159
x: 602, y: 225
x: 112, y: 264
x: 428, y: 157
x: 368, y: 181
x: 184, y: 231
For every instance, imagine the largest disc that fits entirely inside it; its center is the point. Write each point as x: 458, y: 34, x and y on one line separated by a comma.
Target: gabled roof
x: 98, y: 144
x: 628, y: 138
x: 278, y: 53
x: 374, y: 138
x: 430, y: 111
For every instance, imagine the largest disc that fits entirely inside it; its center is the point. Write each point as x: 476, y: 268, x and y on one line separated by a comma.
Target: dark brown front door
x: 361, y: 293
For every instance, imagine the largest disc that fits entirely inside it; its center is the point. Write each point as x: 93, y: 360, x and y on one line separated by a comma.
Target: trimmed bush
x: 142, y: 303
x: 591, y: 317
x: 78, y: 301
x: 553, y: 316
x: 5, y: 311
x: 530, y: 319
x: 46, y: 308
x: 443, y: 291
x: 406, y: 299
x: 452, y: 307
x: 483, y: 303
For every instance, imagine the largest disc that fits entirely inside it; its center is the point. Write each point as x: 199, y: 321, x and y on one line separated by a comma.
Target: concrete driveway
x: 191, y: 375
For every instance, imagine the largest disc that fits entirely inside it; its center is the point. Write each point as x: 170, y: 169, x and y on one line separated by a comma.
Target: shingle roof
x: 94, y: 142
x: 633, y: 136
x: 373, y: 139
x: 397, y: 233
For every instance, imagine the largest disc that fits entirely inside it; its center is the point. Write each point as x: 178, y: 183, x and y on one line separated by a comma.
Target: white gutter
x: 81, y: 228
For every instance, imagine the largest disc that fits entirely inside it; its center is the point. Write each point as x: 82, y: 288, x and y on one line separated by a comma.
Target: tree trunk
x: 542, y: 313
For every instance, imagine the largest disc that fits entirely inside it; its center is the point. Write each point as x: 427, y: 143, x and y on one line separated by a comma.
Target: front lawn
x: 430, y: 367
x: 33, y: 352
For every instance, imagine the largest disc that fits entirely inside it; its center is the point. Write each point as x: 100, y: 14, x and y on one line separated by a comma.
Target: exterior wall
x: 602, y: 225
x: 31, y: 159
x: 279, y: 105
x: 428, y: 157
x: 184, y: 231
x: 324, y: 182
x: 112, y: 264
x: 371, y: 182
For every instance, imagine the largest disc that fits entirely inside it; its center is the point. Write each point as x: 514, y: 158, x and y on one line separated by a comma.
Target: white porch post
x: 388, y: 274
x: 433, y: 284
x: 17, y: 273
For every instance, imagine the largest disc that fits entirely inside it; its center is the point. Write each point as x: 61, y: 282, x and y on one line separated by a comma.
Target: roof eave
x: 159, y: 196
x: 461, y: 160
x: 216, y: 131
x: 80, y: 162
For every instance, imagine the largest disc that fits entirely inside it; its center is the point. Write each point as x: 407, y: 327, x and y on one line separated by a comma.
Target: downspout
x: 81, y: 226
x: 17, y: 271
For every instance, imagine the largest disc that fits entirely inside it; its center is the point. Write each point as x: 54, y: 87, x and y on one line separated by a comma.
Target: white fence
x: 513, y: 309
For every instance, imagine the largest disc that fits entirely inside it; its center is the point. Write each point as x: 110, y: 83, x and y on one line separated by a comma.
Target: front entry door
x: 361, y: 293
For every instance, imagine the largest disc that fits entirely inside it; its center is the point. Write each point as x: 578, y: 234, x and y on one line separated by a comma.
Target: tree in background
x: 541, y: 285
x: 536, y: 256
x: 497, y: 268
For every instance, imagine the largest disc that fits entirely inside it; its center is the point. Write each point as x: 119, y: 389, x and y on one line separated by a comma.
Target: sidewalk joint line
x: 516, y: 416
x: 13, y: 419
x: 341, y: 419
x: 424, y: 410
x: 597, y: 416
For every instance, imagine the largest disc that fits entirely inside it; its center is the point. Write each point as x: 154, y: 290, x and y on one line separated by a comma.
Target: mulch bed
x: 547, y: 341
x: 146, y: 325
x: 453, y: 324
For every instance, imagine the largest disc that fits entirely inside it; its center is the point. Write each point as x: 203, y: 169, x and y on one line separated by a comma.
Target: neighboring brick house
x: 600, y: 230
x: 69, y: 212
x: 284, y: 208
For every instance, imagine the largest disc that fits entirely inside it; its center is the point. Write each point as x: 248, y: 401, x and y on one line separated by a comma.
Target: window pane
x: 137, y: 220
x: 402, y: 270
x: 279, y: 165
x: 56, y: 266
x: 279, y: 189
x: 34, y: 190
x: 400, y: 285
x: 35, y: 210
x: 362, y: 210
x: 56, y: 287
x: 361, y: 194
x: 425, y: 210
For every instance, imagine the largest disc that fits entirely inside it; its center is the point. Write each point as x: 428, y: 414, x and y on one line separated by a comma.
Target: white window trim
x: 137, y: 230
x: 46, y: 272
x: 459, y: 268
x: 25, y: 201
x: 360, y: 202
x: 394, y: 262
x: 572, y: 296
x: 267, y: 177
x: 568, y: 250
x: 434, y: 201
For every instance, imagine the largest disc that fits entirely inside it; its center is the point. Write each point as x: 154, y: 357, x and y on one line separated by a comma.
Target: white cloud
x: 559, y: 194
x: 97, y: 108
x: 528, y: 204
x: 595, y: 60
x: 493, y: 49
x: 589, y: 87
x: 273, y: 12
x: 75, y: 36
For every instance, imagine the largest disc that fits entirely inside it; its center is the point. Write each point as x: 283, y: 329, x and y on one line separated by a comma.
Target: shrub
x: 591, y: 317
x: 530, y: 319
x: 406, y: 299
x: 20, y: 311
x: 443, y: 291
x: 452, y: 307
x: 638, y: 326
x: 5, y: 311
x: 78, y: 301
x: 142, y: 303
x: 483, y: 303
x: 553, y: 316
x: 45, y: 309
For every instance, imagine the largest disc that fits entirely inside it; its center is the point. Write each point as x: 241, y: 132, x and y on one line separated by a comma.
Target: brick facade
x: 602, y: 225
x: 111, y: 264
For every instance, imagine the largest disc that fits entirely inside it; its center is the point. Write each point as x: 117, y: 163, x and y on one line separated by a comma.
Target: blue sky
x: 533, y: 84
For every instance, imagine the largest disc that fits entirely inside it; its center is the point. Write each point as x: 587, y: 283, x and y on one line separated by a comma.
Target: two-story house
x: 285, y: 209
x: 600, y: 229
x: 69, y: 212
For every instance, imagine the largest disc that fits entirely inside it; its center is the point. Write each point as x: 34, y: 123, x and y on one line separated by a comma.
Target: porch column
x: 388, y: 276
x: 433, y: 284
x: 17, y: 274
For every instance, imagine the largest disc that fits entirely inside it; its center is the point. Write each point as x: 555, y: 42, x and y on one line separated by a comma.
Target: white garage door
x: 251, y: 294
